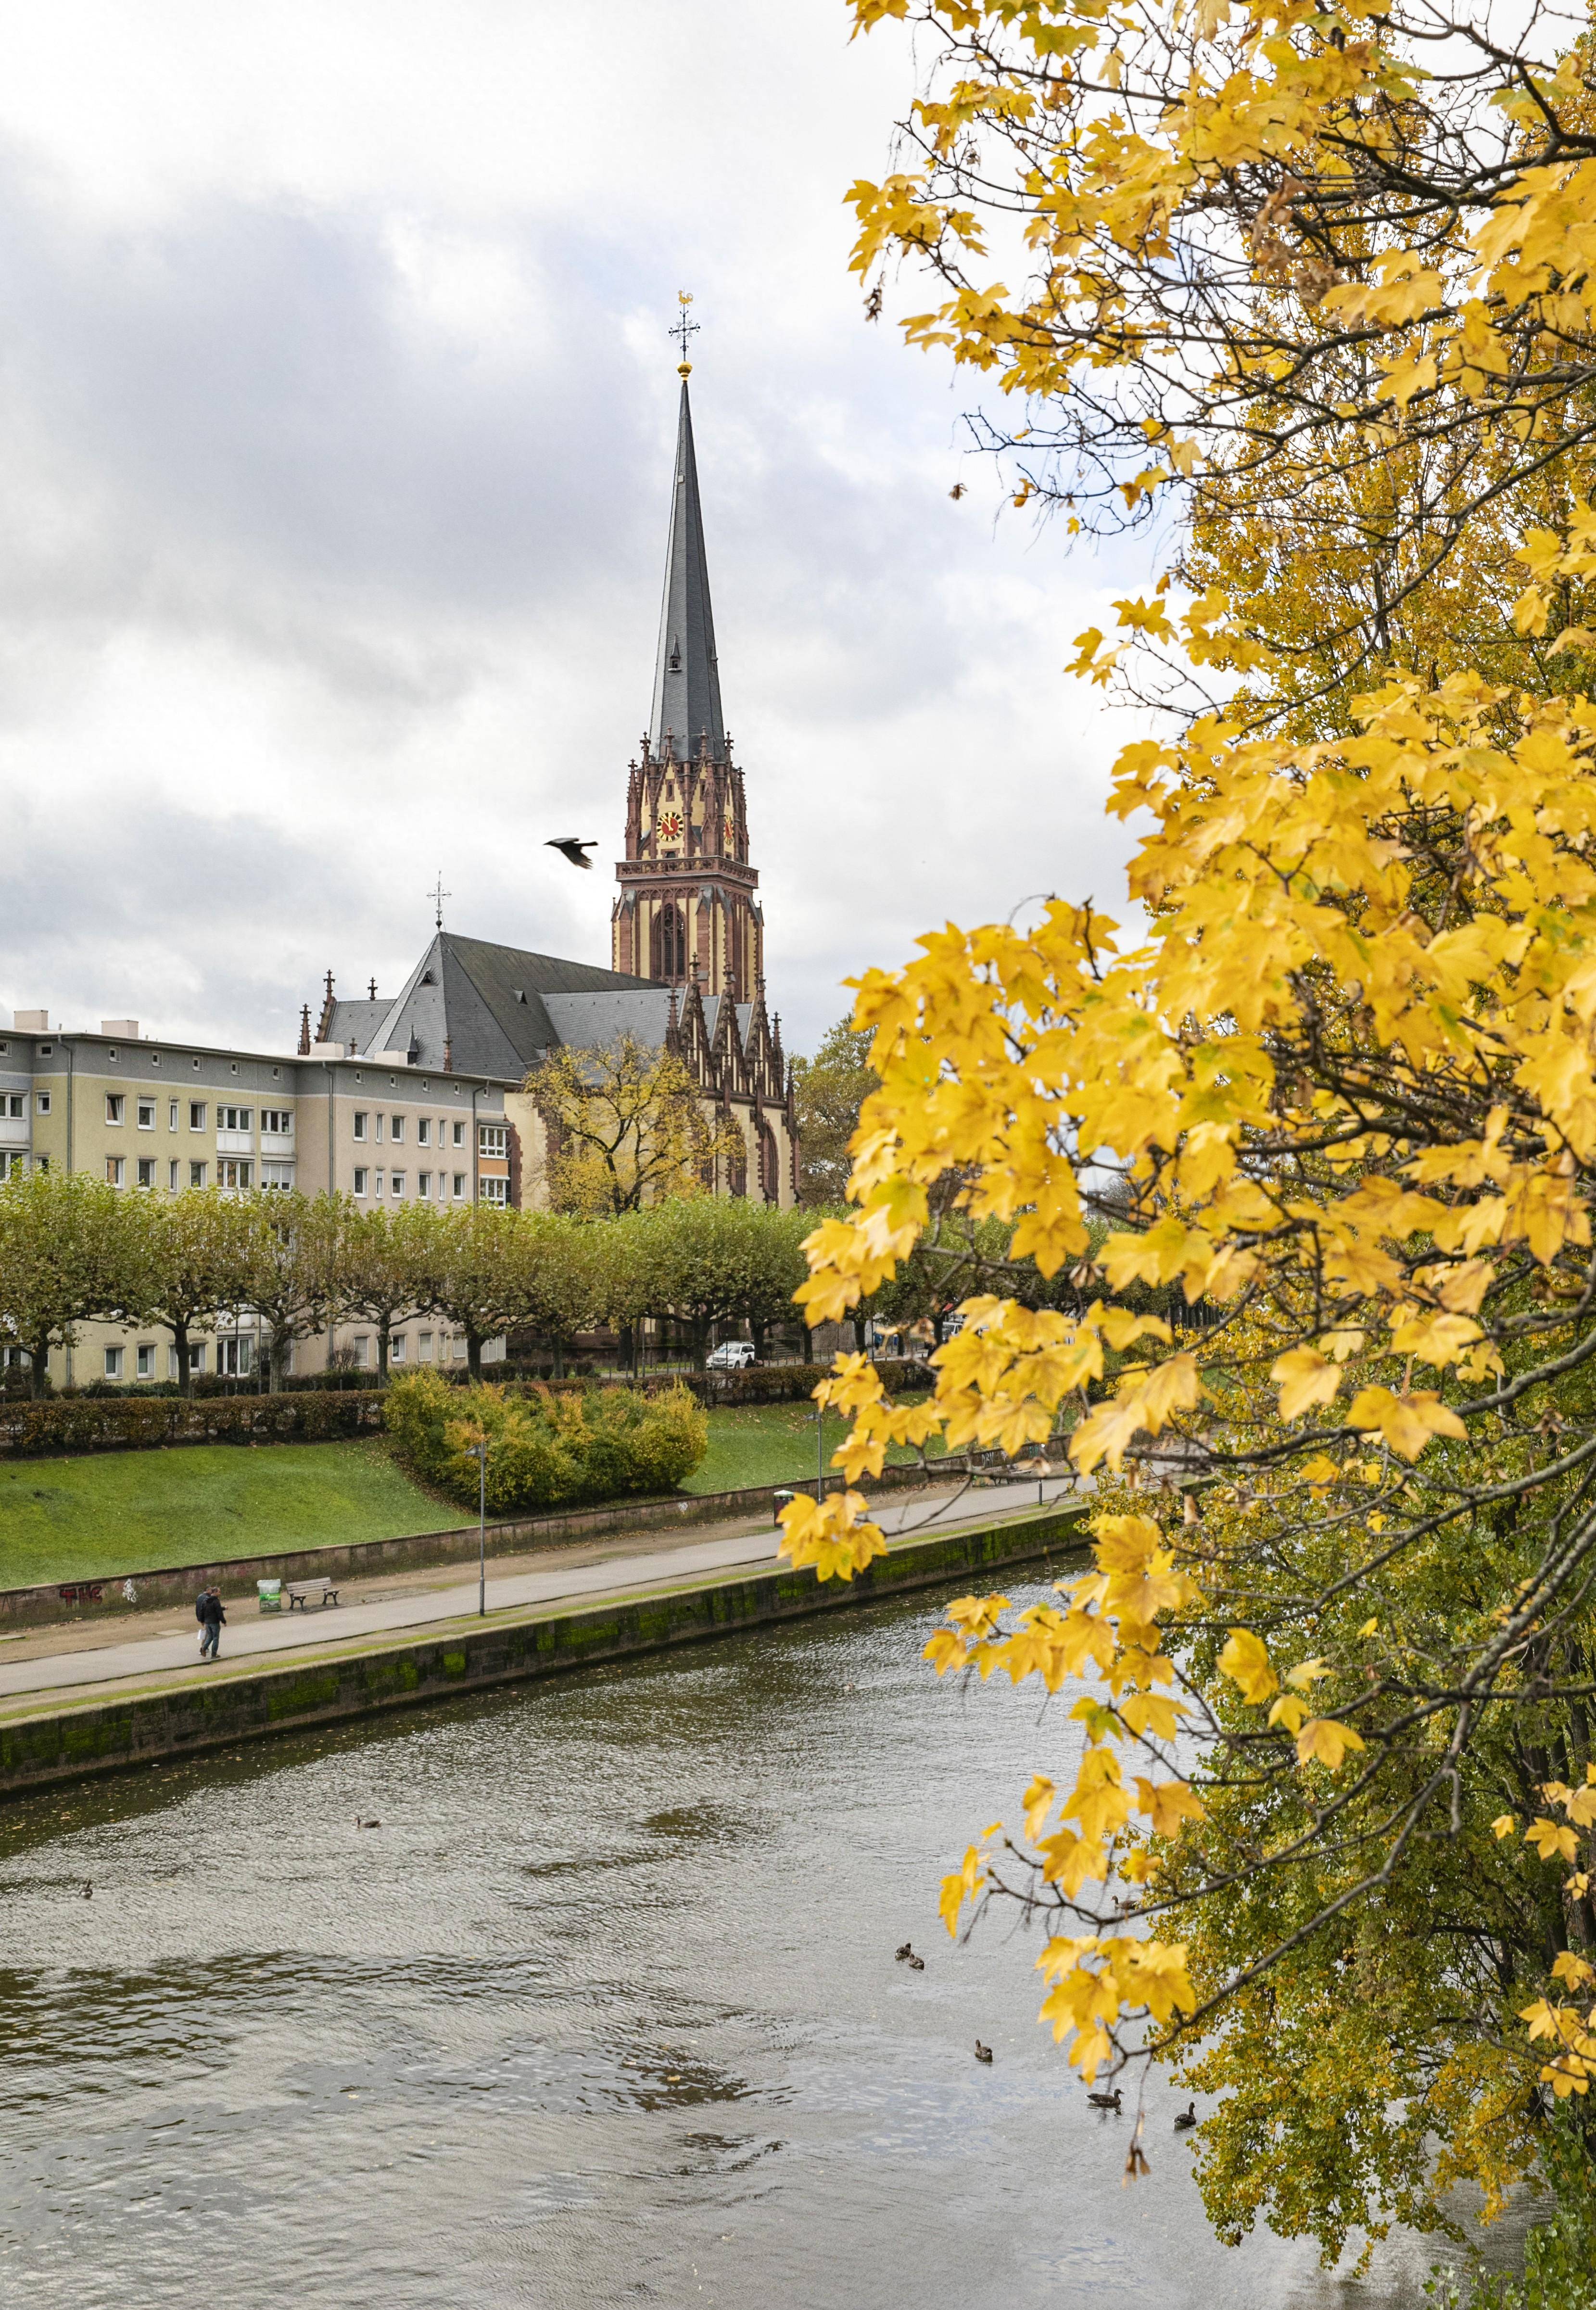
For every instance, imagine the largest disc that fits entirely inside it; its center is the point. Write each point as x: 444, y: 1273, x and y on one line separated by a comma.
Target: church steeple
x: 688, y: 912
x: 687, y: 708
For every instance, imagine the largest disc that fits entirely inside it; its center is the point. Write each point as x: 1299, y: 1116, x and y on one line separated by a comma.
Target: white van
x: 731, y: 1355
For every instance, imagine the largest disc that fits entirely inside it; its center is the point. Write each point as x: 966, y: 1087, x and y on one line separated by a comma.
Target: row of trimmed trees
x: 74, y: 1251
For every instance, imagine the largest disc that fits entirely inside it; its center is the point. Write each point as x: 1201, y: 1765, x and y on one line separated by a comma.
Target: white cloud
x: 336, y: 415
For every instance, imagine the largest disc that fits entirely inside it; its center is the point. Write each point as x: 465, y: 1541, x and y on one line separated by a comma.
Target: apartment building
x: 159, y: 1116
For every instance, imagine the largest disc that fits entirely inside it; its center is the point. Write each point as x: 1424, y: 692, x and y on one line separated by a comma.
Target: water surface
x: 605, y: 2011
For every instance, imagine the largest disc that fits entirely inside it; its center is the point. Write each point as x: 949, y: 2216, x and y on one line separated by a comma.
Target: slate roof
x: 490, y: 1005
x: 686, y: 675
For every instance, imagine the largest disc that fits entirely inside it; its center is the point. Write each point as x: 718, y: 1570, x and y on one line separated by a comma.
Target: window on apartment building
x: 395, y: 1128
x: 493, y: 1138
x: 42, y: 1105
x: 234, y: 1174
x: 423, y: 1131
x: 41, y: 1162
x: 146, y: 1115
x: 11, y: 1167
x: 146, y: 1170
x: 361, y: 1346
x: 172, y: 1114
x: 172, y: 1177
x: 459, y: 1186
x: 235, y: 1118
x: 277, y: 1122
x: 197, y: 1115
x: 113, y: 1363
x: 376, y: 1188
x: 423, y: 1347
x: 277, y: 1175
x: 396, y: 1183
x: 424, y: 1186
x: 196, y: 1174
x: 145, y: 1354
x: 397, y: 1349
x: 376, y: 1128
x: 459, y: 1133
x: 360, y: 1122
x: 15, y: 1104
x: 114, y: 1105
x: 196, y: 1360
x: 115, y: 1170
x: 361, y: 1176
x: 494, y: 1191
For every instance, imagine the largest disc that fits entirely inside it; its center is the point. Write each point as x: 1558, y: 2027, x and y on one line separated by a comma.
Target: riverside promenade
x: 72, y: 1704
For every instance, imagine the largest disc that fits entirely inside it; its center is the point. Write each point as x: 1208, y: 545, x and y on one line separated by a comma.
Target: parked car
x: 731, y: 1355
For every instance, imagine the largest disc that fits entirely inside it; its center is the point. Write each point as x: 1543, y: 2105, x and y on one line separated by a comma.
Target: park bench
x: 323, y: 1589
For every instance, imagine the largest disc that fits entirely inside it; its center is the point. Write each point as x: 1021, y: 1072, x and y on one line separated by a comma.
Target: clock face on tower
x: 730, y: 831
x: 668, y: 826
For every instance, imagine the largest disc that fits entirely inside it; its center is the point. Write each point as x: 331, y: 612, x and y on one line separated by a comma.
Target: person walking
x: 210, y: 1612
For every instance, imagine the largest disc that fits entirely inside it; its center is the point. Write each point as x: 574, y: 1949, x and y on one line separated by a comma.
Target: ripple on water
x: 606, y: 2012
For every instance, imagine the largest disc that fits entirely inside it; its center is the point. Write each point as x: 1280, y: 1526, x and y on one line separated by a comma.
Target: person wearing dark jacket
x: 209, y: 1609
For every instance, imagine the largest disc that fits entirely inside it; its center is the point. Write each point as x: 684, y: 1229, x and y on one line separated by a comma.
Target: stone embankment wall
x: 38, y: 1750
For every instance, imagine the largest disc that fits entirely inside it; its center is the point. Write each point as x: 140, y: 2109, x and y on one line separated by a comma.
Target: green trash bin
x: 270, y: 1592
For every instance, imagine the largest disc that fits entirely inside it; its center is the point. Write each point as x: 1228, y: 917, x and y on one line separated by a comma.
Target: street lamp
x: 479, y: 1452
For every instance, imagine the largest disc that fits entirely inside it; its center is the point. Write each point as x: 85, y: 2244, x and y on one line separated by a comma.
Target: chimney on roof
x: 126, y: 1029
x: 32, y: 1022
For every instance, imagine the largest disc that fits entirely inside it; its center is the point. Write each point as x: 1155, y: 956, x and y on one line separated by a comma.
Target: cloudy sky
x: 336, y: 416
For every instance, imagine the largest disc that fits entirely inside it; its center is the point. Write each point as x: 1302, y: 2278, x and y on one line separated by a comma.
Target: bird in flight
x: 569, y: 847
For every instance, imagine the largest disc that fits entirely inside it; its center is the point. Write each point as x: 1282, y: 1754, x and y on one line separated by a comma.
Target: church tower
x: 688, y: 911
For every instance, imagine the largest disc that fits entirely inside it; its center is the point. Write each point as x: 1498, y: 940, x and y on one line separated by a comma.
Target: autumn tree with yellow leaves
x: 1317, y: 1827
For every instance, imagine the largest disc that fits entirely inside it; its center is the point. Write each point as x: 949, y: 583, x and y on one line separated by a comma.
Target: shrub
x: 545, y: 1450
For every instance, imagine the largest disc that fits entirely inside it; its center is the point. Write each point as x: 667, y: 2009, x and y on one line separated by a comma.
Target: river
x: 605, y: 2011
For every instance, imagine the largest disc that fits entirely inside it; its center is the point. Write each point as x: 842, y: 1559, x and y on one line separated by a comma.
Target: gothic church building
x: 687, y: 932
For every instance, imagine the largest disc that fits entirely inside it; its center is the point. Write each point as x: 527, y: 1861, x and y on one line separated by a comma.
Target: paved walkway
x: 659, y: 1567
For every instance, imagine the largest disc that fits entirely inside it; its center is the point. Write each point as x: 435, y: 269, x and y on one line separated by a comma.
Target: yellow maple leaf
x: 1407, y: 1422
x: 1327, y: 1740
x: 1245, y: 1662
x: 1304, y: 1377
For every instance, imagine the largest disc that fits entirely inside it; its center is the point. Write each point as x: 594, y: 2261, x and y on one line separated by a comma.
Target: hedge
x: 305, y: 1415
x: 100, y: 1424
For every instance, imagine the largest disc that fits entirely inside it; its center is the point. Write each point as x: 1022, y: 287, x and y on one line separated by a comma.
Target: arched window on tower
x: 670, y: 945
x: 769, y: 1165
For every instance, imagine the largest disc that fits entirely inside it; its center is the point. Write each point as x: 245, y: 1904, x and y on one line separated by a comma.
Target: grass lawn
x: 89, y: 1518
x: 101, y: 1514
x: 767, y: 1443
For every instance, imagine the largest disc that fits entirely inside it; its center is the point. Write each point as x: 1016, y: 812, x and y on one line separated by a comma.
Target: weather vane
x: 681, y: 329
x: 438, y: 897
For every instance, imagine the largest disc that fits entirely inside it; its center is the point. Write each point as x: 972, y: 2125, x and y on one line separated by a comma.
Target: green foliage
x: 545, y: 1450
x: 70, y: 1249
x: 831, y: 1089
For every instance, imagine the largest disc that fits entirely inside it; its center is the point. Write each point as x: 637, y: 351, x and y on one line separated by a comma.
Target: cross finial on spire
x: 438, y: 895
x: 681, y: 329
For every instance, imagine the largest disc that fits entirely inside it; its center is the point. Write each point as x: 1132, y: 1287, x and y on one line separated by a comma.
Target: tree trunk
x: 384, y: 1329
x: 274, y: 1363
x: 473, y: 1356
x: 39, y: 1368
x: 756, y: 1332
x: 559, y: 1345
x: 179, y: 1332
x: 809, y: 1351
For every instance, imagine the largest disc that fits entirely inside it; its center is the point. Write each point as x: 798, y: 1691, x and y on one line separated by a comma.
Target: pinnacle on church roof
x: 686, y: 677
